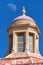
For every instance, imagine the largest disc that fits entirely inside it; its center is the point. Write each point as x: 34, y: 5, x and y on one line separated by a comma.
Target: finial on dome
x: 23, y: 10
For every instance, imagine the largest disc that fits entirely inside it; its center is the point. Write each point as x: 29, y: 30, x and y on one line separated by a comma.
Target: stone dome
x: 23, y: 19
x: 23, y: 16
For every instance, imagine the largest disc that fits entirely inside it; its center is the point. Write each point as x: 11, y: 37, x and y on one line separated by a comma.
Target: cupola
x: 23, y: 35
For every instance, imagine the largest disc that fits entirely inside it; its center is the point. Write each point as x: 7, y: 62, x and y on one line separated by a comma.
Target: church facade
x: 23, y: 42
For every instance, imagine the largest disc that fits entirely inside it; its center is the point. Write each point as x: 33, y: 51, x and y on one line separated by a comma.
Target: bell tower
x: 23, y: 35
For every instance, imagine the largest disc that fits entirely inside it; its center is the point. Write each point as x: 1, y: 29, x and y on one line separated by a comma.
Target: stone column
x: 14, y: 42
x: 14, y: 36
x: 36, y: 44
x: 27, y: 42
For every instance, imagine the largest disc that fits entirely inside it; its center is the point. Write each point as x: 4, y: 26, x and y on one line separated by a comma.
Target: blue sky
x: 10, y: 9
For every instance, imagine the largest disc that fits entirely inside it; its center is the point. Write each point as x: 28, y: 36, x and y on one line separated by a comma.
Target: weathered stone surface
x: 21, y: 58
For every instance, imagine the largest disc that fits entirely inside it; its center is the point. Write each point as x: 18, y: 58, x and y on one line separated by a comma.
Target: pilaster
x: 14, y: 42
x: 27, y: 41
